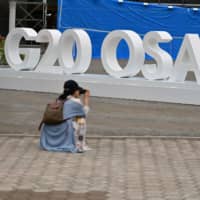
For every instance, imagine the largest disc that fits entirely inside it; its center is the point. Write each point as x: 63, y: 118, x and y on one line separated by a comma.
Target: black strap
x: 40, y: 126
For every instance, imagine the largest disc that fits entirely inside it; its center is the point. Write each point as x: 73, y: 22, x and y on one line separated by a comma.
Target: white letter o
x: 136, y: 53
x: 84, y: 51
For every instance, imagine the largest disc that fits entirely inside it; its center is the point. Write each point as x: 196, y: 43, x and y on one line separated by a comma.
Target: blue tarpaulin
x: 99, y: 17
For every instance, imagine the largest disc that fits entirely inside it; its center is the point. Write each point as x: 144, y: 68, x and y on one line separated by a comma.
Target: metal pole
x: 12, y: 14
x: 45, y: 9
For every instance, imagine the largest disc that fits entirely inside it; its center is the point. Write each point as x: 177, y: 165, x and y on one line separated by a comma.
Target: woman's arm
x: 86, y: 97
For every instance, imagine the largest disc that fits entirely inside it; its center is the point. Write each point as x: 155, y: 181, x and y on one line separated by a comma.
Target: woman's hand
x: 87, y: 93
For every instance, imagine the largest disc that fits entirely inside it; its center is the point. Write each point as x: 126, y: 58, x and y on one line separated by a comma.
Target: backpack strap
x: 40, y: 125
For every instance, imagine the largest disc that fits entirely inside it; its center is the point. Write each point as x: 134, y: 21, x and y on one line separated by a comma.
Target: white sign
x: 61, y: 48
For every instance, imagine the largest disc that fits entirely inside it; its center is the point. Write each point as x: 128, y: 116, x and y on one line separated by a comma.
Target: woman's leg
x: 81, y: 135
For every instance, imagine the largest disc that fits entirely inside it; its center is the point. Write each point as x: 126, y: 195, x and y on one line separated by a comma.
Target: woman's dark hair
x: 70, y: 87
x: 65, y: 94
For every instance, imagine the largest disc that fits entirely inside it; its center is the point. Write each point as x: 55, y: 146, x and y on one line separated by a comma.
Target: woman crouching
x: 70, y: 135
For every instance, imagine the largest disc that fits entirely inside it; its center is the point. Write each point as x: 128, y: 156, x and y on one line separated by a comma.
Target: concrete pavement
x: 125, y: 169
x: 130, y: 168
x: 21, y: 113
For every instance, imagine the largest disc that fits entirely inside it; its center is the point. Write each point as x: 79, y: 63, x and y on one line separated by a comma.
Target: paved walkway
x: 21, y: 113
x: 116, y: 169
x: 125, y: 169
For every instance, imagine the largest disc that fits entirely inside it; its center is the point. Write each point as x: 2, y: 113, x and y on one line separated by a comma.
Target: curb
x: 116, y: 137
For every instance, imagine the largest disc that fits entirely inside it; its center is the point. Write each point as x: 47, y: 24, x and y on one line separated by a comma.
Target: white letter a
x: 188, y: 59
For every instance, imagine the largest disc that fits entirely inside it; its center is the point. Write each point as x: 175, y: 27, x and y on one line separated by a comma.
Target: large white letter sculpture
x: 163, y: 59
x: 136, y: 53
x: 188, y: 59
x: 51, y: 55
x: 61, y: 47
x: 12, y: 50
x: 83, y: 47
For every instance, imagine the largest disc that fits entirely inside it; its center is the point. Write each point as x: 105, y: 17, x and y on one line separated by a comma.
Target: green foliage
x: 2, y: 54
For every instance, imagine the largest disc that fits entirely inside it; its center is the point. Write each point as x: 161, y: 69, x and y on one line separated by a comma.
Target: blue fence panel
x: 99, y: 17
